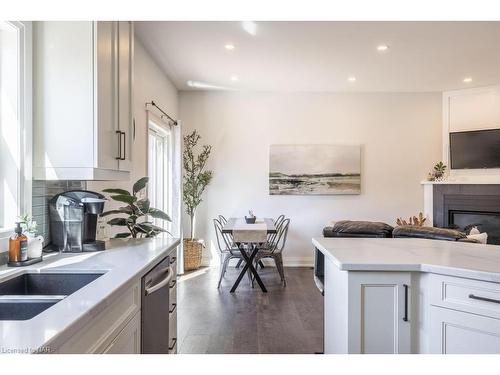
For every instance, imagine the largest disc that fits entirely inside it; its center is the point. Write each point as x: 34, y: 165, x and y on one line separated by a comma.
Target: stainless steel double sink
x: 27, y: 295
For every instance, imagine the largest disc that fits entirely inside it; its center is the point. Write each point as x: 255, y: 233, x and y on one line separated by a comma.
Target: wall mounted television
x: 475, y: 149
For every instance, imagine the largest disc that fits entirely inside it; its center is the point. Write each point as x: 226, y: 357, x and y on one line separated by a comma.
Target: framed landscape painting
x: 314, y: 169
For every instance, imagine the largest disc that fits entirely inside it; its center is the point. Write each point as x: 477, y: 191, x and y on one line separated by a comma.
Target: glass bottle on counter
x: 18, y: 245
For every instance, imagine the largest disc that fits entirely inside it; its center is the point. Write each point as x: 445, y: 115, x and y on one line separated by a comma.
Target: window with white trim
x: 160, y: 170
x: 15, y: 122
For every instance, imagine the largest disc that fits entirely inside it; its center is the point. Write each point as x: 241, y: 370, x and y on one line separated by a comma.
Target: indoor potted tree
x: 137, y: 211
x: 196, y: 180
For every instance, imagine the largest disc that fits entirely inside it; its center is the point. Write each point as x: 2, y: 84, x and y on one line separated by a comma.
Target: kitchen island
x: 408, y: 295
x: 101, y: 317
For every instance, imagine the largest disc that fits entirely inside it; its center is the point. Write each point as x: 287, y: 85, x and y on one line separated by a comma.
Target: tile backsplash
x: 42, y: 192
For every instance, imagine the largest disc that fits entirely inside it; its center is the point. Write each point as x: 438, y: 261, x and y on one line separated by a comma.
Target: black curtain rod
x: 162, y: 111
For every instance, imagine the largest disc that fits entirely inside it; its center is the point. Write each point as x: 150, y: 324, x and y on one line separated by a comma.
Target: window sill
x: 6, y: 232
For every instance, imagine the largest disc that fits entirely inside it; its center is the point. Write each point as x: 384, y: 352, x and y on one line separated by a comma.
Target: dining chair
x: 274, y: 249
x: 227, y: 250
x: 223, y: 221
x: 271, y: 237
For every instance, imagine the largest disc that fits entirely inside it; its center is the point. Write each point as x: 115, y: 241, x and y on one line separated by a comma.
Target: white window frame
x: 25, y: 99
x: 167, y: 191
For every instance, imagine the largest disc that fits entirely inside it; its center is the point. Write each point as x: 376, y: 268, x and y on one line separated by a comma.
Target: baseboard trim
x: 292, y: 262
x: 287, y: 262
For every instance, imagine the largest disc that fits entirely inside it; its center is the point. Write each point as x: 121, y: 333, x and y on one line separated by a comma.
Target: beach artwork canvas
x: 314, y: 169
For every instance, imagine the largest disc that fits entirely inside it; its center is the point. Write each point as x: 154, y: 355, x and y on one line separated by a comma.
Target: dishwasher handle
x: 161, y: 284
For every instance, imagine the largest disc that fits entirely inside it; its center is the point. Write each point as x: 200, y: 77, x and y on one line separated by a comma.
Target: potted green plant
x: 137, y: 211
x: 439, y: 170
x: 195, y: 180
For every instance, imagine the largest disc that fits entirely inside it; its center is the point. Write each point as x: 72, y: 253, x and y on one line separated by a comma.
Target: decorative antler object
x: 413, y: 220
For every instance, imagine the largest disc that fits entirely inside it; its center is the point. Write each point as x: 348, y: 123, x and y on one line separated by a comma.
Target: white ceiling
x: 320, y: 56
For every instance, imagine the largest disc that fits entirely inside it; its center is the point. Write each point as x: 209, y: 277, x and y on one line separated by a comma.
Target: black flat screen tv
x: 475, y: 149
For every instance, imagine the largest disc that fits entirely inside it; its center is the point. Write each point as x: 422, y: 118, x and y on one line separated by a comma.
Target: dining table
x: 249, y: 238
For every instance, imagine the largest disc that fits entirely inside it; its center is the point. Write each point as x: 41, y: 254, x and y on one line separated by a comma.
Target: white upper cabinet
x: 83, y: 125
x: 125, y: 93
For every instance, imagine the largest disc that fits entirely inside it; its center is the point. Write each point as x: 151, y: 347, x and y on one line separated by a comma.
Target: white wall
x: 400, y: 134
x: 150, y: 83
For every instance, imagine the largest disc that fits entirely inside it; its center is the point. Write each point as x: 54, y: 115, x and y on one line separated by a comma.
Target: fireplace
x: 462, y: 206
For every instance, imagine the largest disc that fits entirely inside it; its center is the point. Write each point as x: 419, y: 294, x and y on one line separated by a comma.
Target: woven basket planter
x: 192, y: 254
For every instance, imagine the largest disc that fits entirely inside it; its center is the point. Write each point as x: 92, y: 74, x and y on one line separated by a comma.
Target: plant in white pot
x: 196, y: 179
x: 35, y: 242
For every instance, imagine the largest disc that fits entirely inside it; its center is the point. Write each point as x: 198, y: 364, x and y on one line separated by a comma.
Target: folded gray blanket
x: 405, y: 231
x: 350, y: 228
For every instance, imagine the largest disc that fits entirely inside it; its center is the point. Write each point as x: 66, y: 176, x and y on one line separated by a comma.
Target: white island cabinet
x: 410, y: 296
x: 83, y: 76
x: 366, y: 312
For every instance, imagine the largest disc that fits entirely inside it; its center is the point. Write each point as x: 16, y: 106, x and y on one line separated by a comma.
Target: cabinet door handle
x: 171, y: 347
x: 124, y: 146
x: 119, y: 157
x: 486, y: 299
x: 405, y: 317
x: 172, y: 260
x: 172, y: 284
x: 174, y: 305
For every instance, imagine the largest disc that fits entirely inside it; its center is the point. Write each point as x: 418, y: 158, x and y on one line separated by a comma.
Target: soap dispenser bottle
x: 18, y: 245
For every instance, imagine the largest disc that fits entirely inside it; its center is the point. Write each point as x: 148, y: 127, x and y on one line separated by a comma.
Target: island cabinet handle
x: 405, y: 318
x: 486, y: 299
x: 172, y: 284
x: 172, y: 260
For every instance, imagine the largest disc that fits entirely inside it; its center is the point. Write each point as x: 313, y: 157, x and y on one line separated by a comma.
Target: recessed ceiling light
x: 467, y: 79
x: 229, y: 46
x: 382, y: 47
x: 234, y: 78
x: 250, y: 27
x: 351, y: 79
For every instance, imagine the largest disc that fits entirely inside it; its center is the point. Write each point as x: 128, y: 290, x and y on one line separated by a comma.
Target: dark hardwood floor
x: 284, y: 320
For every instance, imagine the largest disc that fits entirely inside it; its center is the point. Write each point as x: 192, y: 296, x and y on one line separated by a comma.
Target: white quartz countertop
x: 124, y: 262
x: 452, y: 258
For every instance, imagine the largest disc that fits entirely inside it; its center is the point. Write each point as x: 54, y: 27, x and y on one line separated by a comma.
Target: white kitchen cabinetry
x: 118, y: 321
x: 464, y: 316
x: 128, y: 340
x: 172, y: 317
x: 458, y: 332
x: 367, y: 312
x: 408, y: 295
x: 107, y: 325
x: 83, y: 78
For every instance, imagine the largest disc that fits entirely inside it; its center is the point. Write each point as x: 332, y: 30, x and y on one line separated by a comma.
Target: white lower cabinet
x: 409, y: 312
x: 128, y: 340
x: 367, y: 312
x: 380, y: 301
x: 464, y: 316
x: 106, y: 326
x: 458, y: 332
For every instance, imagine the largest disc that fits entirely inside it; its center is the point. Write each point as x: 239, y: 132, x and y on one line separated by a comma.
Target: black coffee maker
x: 73, y: 221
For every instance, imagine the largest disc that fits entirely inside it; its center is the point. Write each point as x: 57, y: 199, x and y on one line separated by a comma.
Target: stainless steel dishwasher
x: 155, y: 308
